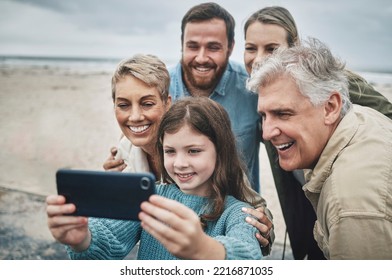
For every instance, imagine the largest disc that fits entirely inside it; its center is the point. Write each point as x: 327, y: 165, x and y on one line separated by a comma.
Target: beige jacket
x: 351, y: 188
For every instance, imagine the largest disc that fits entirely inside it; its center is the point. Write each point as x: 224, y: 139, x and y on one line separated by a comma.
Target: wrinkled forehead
x: 282, y: 91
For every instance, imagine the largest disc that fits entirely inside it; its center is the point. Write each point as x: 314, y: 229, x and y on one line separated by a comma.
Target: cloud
x: 117, y: 16
x: 356, y: 30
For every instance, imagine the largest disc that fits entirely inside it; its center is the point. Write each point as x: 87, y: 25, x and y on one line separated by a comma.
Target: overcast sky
x: 358, y: 31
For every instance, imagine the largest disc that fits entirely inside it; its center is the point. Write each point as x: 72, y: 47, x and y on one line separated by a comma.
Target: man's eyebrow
x: 214, y: 43
x: 280, y: 109
x: 276, y: 110
x: 190, y: 42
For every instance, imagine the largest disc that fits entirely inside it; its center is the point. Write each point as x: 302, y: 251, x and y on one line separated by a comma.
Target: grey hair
x: 312, y: 66
x: 147, y: 68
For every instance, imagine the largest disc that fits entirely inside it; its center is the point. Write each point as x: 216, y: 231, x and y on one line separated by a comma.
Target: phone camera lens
x: 145, y: 183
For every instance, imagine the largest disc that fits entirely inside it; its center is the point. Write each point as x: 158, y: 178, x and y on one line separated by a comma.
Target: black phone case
x: 104, y: 194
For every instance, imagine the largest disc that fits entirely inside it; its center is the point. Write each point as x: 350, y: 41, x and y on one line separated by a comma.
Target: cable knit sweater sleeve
x: 239, y: 239
x: 231, y: 229
x: 110, y: 239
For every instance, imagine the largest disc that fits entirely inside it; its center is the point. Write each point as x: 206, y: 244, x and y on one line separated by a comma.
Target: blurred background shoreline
x: 57, y: 112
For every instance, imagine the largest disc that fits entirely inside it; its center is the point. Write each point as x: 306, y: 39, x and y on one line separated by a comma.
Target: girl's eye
x: 194, y: 151
x: 168, y: 151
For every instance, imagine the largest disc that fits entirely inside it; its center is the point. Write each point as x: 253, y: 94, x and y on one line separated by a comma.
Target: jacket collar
x: 341, y: 137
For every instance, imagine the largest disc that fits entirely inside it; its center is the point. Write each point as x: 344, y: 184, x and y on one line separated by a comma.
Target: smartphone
x: 104, y: 194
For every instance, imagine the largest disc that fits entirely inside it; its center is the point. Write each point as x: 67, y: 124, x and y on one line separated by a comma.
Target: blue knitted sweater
x: 114, y: 239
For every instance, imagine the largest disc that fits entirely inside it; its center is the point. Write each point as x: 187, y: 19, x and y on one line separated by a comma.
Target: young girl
x: 196, y: 213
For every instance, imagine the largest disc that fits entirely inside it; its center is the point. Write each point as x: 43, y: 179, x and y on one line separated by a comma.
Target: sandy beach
x: 53, y: 118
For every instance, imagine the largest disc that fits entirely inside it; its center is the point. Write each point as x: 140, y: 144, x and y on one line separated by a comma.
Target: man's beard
x: 205, y: 84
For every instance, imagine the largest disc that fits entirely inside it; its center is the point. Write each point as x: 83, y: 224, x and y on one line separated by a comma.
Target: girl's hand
x: 69, y: 230
x: 179, y: 230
